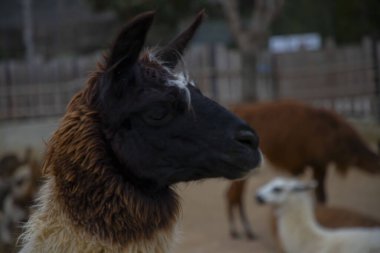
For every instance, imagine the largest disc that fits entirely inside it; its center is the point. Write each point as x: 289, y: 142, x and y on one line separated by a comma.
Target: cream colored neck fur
x: 297, y: 225
x: 49, y: 230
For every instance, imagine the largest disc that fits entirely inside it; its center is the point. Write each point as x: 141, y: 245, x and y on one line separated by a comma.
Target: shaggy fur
x: 102, y: 203
x: 52, y: 230
x: 85, y: 191
x: 295, y: 136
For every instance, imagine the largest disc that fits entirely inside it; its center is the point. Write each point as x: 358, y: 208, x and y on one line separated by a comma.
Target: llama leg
x: 231, y: 221
x: 320, y: 176
x: 244, y: 220
x: 234, y: 199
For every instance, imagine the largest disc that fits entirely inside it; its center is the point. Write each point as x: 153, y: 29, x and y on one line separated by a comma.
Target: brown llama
x: 137, y: 128
x: 294, y: 136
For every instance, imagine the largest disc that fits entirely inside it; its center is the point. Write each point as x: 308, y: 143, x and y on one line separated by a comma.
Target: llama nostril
x: 248, y: 138
x: 260, y: 199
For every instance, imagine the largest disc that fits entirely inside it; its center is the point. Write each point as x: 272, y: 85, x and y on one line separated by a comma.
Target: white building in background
x: 295, y: 42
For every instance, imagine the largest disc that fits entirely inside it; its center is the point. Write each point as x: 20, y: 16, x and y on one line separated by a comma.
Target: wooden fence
x: 40, y: 89
x: 342, y: 78
x: 337, y: 78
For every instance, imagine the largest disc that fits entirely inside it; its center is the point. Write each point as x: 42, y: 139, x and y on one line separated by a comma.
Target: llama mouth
x: 243, y: 163
x: 248, y: 157
x: 260, y: 200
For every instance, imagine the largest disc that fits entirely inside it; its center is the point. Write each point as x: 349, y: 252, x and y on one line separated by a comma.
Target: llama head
x: 158, y: 125
x: 279, y: 190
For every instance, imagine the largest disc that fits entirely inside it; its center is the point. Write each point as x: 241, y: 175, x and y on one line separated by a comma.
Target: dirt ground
x: 204, y: 222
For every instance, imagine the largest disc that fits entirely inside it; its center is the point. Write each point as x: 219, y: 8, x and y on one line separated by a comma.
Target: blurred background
x: 325, y: 53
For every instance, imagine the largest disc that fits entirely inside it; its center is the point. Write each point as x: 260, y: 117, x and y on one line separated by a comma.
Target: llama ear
x: 171, y: 54
x: 126, y: 48
x: 305, y: 186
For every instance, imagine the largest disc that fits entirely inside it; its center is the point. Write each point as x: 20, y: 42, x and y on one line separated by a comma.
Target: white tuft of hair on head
x: 153, y: 58
x: 181, y: 81
x: 180, y: 78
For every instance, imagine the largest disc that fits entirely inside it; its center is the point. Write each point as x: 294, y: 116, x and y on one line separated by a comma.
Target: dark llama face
x: 159, y: 126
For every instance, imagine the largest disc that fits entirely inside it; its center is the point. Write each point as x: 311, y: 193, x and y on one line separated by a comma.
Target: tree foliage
x: 170, y: 13
x: 345, y: 20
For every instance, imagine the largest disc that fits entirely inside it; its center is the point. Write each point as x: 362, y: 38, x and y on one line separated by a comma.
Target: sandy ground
x: 204, y: 222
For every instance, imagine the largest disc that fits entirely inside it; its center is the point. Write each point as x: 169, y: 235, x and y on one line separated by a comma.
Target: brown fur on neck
x: 92, y: 191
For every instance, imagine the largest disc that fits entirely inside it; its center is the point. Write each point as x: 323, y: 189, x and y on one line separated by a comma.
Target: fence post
x: 213, y: 74
x: 8, y: 87
x: 275, y: 76
x: 376, y: 75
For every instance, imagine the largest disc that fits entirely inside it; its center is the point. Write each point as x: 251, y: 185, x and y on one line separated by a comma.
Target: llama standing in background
x: 19, y: 180
x: 17, y: 203
x: 136, y: 129
x: 8, y: 165
x: 294, y: 136
x: 299, y: 232
x: 333, y: 217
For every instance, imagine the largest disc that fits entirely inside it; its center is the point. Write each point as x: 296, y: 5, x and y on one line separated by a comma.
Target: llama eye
x: 158, y: 115
x: 19, y: 182
x: 277, y: 190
